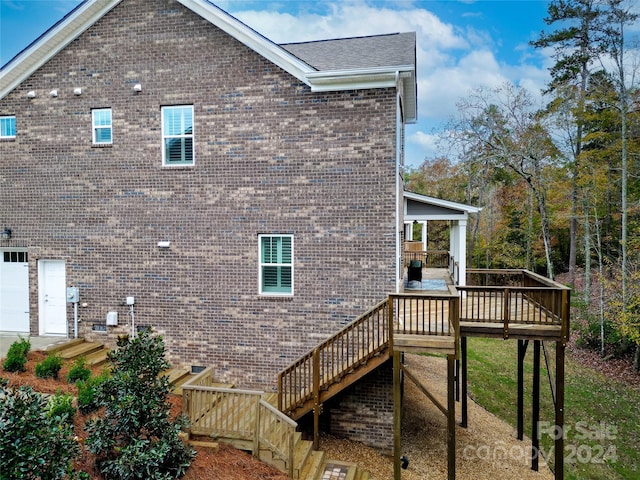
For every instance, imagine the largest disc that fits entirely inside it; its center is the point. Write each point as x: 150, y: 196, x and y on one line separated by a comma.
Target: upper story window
x: 276, y: 264
x: 177, y: 135
x: 102, y: 126
x: 8, y: 127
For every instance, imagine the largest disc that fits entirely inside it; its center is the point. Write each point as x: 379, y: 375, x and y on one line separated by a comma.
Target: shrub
x: 78, y: 371
x: 33, y: 444
x: 49, y: 367
x: 87, y: 401
x: 17, y: 356
x: 61, y: 407
x: 135, y: 438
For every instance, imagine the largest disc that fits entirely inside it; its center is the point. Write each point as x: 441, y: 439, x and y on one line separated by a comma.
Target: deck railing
x: 238, y: 415
x: 325, y: 365
x: 363, y: 339
x: 523, y: 297
x: 429, y: 258
x: 425, y: 314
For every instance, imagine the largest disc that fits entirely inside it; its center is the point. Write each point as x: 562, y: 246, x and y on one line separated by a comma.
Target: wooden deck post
x: 465, y: 404
x: 535, y: 411
x: 397, y: 416
x: 522, y: 352
x: 316, y: 399
x: 451, y: 419
x: 559, y: 442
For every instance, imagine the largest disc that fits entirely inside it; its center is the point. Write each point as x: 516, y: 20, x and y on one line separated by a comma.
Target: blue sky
x: 461, y: 44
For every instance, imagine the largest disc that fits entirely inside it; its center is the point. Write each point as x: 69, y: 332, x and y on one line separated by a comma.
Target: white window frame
x: 95, y: 127
x: 166, y: 136
x: 262, y: 264
x: 4, y: 118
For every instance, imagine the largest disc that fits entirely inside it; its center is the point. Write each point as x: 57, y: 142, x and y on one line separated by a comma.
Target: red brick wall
x: 271, y: 157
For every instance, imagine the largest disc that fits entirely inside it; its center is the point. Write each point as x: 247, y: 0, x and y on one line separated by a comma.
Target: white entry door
x: 52, y: 297
x: 14, y: 291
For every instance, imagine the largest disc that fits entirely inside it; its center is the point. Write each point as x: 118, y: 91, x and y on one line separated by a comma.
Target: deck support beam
x: 451, y: 419
x: 397, y: 415
x: 465, y: 403
x: 522, y: 352
x: 535, y: 410
x: 559, y: 440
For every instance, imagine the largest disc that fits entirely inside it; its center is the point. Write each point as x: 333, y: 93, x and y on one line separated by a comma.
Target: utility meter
x: 73, y: 294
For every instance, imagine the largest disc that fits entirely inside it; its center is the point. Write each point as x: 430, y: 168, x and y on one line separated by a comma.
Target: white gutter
x: 399, y: 225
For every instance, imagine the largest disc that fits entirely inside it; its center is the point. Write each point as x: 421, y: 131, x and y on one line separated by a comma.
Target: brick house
x: 247, y: 195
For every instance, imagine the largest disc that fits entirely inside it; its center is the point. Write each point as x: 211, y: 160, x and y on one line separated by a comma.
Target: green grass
x: 602, y: 415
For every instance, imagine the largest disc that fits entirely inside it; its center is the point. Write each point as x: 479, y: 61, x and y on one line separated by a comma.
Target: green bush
x: 87, y: 401
x: 61, y: 407
x: 17, y: 356
x: 78, y: 371
x: 49, y: 367
x: 33, y: 444
x: 135, y: 438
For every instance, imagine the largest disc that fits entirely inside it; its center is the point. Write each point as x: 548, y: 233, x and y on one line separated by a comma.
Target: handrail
x: 275, y: 431
x: 358, y: 341
x: 223, y: 412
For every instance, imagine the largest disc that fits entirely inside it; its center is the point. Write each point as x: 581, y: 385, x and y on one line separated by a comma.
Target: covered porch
x: 433, y: 264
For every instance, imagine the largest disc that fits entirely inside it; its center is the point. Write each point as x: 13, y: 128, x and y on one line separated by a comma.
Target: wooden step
x: 313, y: 466
x: 55, y: 348
x: 301, y: 452
x: 99, y: 357
x: 177, y: 377
x: 79, y: 350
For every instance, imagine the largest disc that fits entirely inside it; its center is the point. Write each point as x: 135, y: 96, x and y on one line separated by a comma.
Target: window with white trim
x: 102, y: 126
x: 276, y: 264
x: 177, y: 135
x: 8, y: 127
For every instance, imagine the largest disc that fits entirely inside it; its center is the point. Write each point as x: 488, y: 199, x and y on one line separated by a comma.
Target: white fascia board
x: 54, y: 40
x: 382, y: 77
x: 442, y: 203
x: 250, y: 38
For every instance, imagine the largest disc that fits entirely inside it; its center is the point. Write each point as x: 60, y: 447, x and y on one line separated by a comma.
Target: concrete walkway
x: 37, y: 343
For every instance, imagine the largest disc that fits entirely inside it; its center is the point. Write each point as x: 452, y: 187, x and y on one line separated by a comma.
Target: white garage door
x: 14, y: 291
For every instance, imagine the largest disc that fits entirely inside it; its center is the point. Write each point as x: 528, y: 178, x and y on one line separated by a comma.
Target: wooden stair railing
x: 322, y: 371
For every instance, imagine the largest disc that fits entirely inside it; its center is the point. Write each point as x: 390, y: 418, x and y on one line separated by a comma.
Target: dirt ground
x: 487, y: 449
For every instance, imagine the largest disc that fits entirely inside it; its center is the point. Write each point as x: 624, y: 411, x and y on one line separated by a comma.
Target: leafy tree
x: 577, y: 44
x: 502, y: 127
x: 135, y: 438
x: 36, y: 442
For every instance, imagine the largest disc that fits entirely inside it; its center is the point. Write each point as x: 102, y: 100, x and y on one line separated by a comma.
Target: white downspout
x: 399, y: 187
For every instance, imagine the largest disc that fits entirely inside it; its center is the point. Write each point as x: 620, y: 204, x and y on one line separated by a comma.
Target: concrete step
x: 334, y: 469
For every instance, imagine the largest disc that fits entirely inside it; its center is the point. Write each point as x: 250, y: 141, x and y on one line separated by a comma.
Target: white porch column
x: 424, y: 236
x: 458, y: 247
x: 408, y: 231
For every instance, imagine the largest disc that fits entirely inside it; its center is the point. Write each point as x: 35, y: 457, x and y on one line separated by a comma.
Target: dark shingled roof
x: 390, y: 50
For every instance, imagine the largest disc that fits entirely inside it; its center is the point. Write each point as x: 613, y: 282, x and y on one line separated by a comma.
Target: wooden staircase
x: 248, y: 420
x: 95, y: 354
